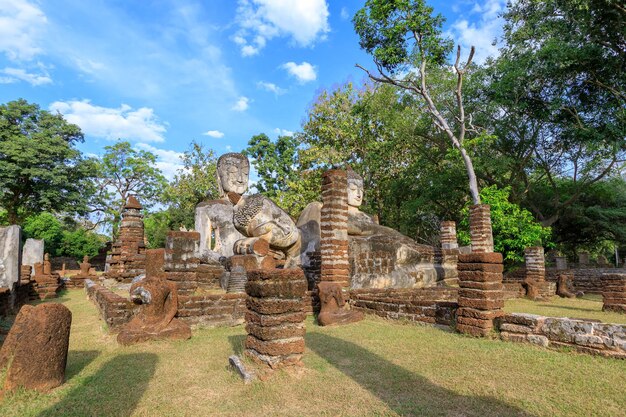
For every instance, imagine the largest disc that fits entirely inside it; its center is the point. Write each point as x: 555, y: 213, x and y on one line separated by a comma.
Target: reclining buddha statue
x: 380, y: 257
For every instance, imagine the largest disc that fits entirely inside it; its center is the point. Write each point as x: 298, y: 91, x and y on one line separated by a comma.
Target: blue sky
x: 163, y: 73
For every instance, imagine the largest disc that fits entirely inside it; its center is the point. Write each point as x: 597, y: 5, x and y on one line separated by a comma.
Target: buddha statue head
x: 355, y: 189
x: 232, y: 173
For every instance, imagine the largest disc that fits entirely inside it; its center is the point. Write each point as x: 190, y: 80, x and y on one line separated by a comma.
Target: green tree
x: 556, y: 100
x: 156, y: 227
x: 45, y: 226
x: 122, y: 172
x: 284, y: 175
x: 195, y: 182
x: 406, y: 42
x: 62, y: 237
x: 514, y: 228
x: 40, y: 168
x: 80, y: 242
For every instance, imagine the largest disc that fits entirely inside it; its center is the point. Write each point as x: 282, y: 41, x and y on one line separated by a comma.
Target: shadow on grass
x: 236, y: 343
x: 405, y: 392
x: 114, y: 390
x: 77, y: 360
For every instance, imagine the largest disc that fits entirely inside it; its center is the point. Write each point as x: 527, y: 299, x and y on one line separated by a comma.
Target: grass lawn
x: 373, y: 367
x: 588, y: 307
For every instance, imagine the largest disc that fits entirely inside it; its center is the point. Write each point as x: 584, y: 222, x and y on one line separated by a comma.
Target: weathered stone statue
x: 156, y: 318
x: 214, y: 218
x: 257, y: 216
x: 380, y: 257
x: 332, y: 303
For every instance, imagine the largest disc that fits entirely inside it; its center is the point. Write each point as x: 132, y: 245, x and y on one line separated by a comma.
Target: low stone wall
x: 197, y: 310
x: 589, y: 280
x: 114, y: 309
x: 556, y: 332
x: 212, y: 309
x: 435, y: 305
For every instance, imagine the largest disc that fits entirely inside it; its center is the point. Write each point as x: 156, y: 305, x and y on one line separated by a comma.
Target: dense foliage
x: 40, y: 168
x: 63, y: 237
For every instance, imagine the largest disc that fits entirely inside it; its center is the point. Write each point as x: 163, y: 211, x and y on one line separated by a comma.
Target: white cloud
x: 345, y: 15
x: 112, y: 123
x: 12, y: 75
x: 242, y: 104
x: 214, y: 134
x: 283, y: 132
x: 168, y: 161
x: 303, y: 72
x: 21, y: 24
x: 303, y: 21
x: 271, y: 87
x: 481, y: 32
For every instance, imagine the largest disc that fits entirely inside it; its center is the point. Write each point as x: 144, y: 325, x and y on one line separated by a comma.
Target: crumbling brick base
x: 614, y: 292
x: 481, y: 297
x: 275, y: 316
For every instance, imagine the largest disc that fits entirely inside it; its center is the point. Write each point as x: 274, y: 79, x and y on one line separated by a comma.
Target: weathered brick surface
x: 275, y: 316
x: 481, y: 235
x: 427, y: 305
x: 481, y: 295
x: 589, y: 337
x: 128, y: 253
x: 334, y: 228
x: 614, y: 292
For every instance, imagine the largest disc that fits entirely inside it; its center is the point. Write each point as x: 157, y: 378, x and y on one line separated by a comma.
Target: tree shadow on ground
x: 114, y: 390
x: 237, y: 342
x: 404, y: 392
x: 77, y: 360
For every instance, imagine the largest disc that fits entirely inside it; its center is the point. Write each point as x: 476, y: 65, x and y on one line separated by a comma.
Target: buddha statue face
x: 355, y: 189
x: 232, y: 173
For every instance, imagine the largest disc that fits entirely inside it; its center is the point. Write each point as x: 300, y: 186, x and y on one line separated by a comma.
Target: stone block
x: 274, y: 305
x: 36, y: 347
x: 10, y: 255
x: 274, y: 319
x: 32, y: 252
x: 283, y: 331
x: 481, y: 258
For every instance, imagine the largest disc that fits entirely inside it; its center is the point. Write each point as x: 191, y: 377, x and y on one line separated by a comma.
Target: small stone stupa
x: 128, y: 253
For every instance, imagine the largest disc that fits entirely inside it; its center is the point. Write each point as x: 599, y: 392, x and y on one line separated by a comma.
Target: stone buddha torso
x: 214, y: 218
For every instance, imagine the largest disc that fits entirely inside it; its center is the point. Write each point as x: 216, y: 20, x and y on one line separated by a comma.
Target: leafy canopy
x: 40, y: 168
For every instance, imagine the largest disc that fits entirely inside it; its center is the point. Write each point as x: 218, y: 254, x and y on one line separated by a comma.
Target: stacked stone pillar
x: 614, y: 292
x: 448, y: 256
x: 275, y: 316
x: 481, y: 234
x: 334, y: 228
x: 535, y: 263
x: 181, y: 260
x: 561, y: 262
x: 448, y: 235
x: 481, y: 296
x: 128, y: 253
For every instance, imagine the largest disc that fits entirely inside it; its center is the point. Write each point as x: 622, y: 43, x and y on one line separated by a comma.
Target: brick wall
x: 427, y: 305
x: 114, y: 309
x: 212, y: 309
x: 557, y: 332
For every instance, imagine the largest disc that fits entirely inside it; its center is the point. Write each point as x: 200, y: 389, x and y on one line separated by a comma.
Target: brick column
x: 334, y: 228
x: 275, y: 316
x: 480, y: 228
x: 448, y: 235
x: 583, y: 258
x: 481, y: 298
x: 614, y: 292
x: 535, y: 263
x: 181, y: 260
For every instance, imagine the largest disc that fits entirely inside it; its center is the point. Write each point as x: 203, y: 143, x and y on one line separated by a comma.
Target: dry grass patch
x: 374, y: 367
